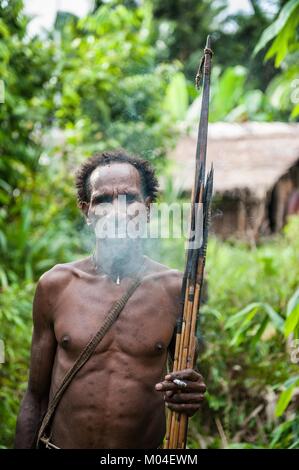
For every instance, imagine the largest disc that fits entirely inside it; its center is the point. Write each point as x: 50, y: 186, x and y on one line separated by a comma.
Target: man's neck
x: 118, y: 266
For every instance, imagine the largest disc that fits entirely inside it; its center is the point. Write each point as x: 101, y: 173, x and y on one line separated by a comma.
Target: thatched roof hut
x: 256, y: 173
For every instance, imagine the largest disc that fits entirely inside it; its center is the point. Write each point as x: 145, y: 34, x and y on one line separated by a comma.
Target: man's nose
x: 119, y: 204
x: 117, y: 210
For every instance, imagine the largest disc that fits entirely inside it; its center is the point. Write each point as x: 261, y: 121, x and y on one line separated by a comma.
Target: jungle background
x: 123, y: 75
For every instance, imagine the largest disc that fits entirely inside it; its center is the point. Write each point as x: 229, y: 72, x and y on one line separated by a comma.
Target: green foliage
x: 15, y: 332
x: 283, y: 94
x: 23, y: 193
x: 233, y: 100
x: 227, y: 92
x: 110, y: 79
x: 286, y: 395
x: 292, y: 319
x: 176, y: 97
x: 283, y: 89
x: 283, y: 31
x: 181, y: 28
x: 110, y: 84
x: 103, y: 90
x: 249, y: 340
x: 243, y: 87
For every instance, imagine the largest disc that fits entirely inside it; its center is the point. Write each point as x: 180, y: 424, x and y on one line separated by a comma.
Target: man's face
x: 117, y: 208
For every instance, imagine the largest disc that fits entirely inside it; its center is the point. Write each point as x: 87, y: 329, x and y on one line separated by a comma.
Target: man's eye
x: 130, y: 198
x: 102, y: 200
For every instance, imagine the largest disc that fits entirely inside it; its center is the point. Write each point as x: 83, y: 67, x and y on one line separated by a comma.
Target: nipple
x: 65, y: 341
x: 159, y: 346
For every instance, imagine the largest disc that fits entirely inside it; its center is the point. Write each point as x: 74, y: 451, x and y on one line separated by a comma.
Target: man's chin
x: 119, y: 248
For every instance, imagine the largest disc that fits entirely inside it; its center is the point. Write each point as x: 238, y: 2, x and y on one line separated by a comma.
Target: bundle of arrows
x: 193, y: 278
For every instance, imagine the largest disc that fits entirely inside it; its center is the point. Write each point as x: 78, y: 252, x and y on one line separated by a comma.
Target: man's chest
x: 144, y: 327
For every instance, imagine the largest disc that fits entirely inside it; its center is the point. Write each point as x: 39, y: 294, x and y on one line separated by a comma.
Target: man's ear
x: 84, y: 206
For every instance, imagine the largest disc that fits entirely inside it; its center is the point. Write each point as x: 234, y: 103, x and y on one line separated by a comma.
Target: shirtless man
x: 117, y: 399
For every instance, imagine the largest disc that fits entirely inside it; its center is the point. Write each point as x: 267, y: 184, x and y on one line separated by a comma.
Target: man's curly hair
x: 149, y: 180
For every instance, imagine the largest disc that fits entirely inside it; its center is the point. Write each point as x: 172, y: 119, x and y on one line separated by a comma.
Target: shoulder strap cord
x: 86, y: 354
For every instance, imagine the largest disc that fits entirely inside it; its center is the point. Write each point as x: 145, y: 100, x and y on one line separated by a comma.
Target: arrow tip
x: 208, y: 43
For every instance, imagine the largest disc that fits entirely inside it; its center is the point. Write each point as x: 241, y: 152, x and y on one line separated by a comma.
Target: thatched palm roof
x: 250, y: 156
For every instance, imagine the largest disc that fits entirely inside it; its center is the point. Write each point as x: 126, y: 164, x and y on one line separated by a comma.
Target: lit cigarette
x: 180, y: 383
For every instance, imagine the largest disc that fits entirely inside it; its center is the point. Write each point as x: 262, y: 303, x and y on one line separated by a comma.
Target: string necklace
x: 98, y: 269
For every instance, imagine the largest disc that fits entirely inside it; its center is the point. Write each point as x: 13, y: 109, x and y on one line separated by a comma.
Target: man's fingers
x: 182, y: 407
x: 191, y: 386
x: 188, y: 374
x: 185, y: 398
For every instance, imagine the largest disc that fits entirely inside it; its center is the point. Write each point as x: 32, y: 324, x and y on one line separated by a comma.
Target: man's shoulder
x: 52, y: 283
x: 168, y: 277
x: 61, y: 274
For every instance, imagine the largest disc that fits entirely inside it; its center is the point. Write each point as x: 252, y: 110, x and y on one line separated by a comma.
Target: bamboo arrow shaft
x: 177, y: 423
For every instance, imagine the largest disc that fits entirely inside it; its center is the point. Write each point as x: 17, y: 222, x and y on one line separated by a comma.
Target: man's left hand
x: 183, y: 398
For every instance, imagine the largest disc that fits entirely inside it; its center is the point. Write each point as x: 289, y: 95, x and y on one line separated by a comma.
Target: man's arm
x: 43, y: 349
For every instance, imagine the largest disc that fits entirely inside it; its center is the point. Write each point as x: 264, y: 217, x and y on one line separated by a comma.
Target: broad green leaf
x: 176, y: 99
x: 293, y: 302
x: 295, y: 112
x: 235, y: 319
x: 227, y: 92
x: 292, y: 321
x: 250, y: 310
x: 280, y: 46
x: 276, y: 319
x: 284, y: 400
x: 260, y: 331
x: 275, y: 28
x: 294, y: 445
x: 279, y: 430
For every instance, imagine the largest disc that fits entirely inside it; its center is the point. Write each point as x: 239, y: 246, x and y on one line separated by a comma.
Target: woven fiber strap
x: 86, y: 354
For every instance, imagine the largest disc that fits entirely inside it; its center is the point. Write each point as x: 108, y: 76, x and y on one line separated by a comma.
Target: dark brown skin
x: 293, y: 203
x: 117, y: 399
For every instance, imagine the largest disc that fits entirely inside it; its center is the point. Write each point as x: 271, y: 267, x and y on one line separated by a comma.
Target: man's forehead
x: 115, y: 174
